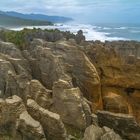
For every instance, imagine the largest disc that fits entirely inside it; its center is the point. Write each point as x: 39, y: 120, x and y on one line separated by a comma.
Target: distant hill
x: 6, y: 20
x: 56, y: 19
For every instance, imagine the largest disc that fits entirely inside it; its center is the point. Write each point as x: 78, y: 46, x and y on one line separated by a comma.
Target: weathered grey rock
x: 79, y: 37
x: 125, y: 125
x: 62, y: 60
x: 110, y: 134
x: 29, y: 128
x: 14, y: 73
x: 40, y: 94
x: 68, y: 103
x: 87, y: 111
x: 94, y: 119
x: 10, y: 49
x: 96, y: 133
x: 14, y: 56
x: 5, y: 70
x: 48, y: 62
x: 93, y: 133
x: 53, y: 127
x: 16, y: 123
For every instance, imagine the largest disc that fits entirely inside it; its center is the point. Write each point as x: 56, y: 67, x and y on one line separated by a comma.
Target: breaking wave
x: 91, y: 32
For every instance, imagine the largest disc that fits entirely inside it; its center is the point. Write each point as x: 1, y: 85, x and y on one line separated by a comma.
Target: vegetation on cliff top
x: 24, y: 37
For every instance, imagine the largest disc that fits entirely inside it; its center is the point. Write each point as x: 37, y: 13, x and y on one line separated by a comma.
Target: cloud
x: 57, y: 7
x: 41, y: 6
x: 83, y: 10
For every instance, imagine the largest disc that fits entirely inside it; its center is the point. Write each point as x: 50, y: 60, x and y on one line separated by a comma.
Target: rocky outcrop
x: 115, y: 103
x: 68, y: 103
x: 97, y: 133
x: 52, y: 90
x: 126, y: 48
x: 15, y: 72
x: 29, y: 128
x: 120, y: 81
x: 6, y: 69
x: 40, y: 94
x: 93, y: 133
x: 109, y: 134
x: 16, y: 123
x: 79, y: 37
x: 123, y: 124
x: 53, y: 127
x: 52, y: 62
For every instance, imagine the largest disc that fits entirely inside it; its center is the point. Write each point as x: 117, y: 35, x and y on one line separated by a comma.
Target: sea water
x: 100, y: 32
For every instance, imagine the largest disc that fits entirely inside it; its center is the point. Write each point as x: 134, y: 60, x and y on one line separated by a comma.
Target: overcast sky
x: 98, y: 10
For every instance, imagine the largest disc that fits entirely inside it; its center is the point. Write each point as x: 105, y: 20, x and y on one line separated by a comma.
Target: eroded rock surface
x: 97, y: 133
x: 123, y: 124
x: 52, y: 90
x: 16, y: 123
x: 120, y: 80
x: 54, y: 61
x: 68, y: 103
x: 51, y: 122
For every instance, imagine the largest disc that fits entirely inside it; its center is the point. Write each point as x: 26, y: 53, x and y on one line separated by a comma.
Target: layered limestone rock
x: 53, y: 126
x: 16, y: 123
x: 62, y: 84
x: 15, y: 72
x: 123, y: 124
x: 10, y: 49
x: 97, y: 133
x: 53, y: 61
x: 93, y: 133
x: 6, y: 69
x: 109, y: 134
x: 115, y: 103
x: 68, y: 103
x: 40, y: 94
x: 14, y: 56
x: 120, y: 81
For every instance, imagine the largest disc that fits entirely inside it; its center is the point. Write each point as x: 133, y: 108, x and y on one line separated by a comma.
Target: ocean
x: 102, y: 32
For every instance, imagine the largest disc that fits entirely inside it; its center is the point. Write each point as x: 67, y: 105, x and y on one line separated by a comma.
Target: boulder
x: 40, y: 94
x: 16, y: 123
x: 68, y: 103
x: 123, y: 124
x: 29, y: 128
x: 10, y: 49
x: 97, y: 133
x: 109, y: 134
x: 93, y: 133
x: 52, y: 124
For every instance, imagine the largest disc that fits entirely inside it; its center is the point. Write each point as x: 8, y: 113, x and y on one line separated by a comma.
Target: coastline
x: 94, y: 32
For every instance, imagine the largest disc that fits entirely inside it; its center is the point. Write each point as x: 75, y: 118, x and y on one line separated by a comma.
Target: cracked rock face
x: 120, y: 80
x: 96, y: 133
x: 123, y: 124
x: 68, y: 103
x: 51, y: 122
x: 66, y: 62
x: 50, y: 90
x: 16, y: 123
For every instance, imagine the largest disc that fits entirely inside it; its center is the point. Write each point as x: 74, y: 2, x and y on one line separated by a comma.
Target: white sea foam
x: 89, y: 31
x: 107, y: 28
x: 121, y: 28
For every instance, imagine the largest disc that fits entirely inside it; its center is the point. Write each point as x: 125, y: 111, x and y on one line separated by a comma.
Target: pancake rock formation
x: 64, y: 90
